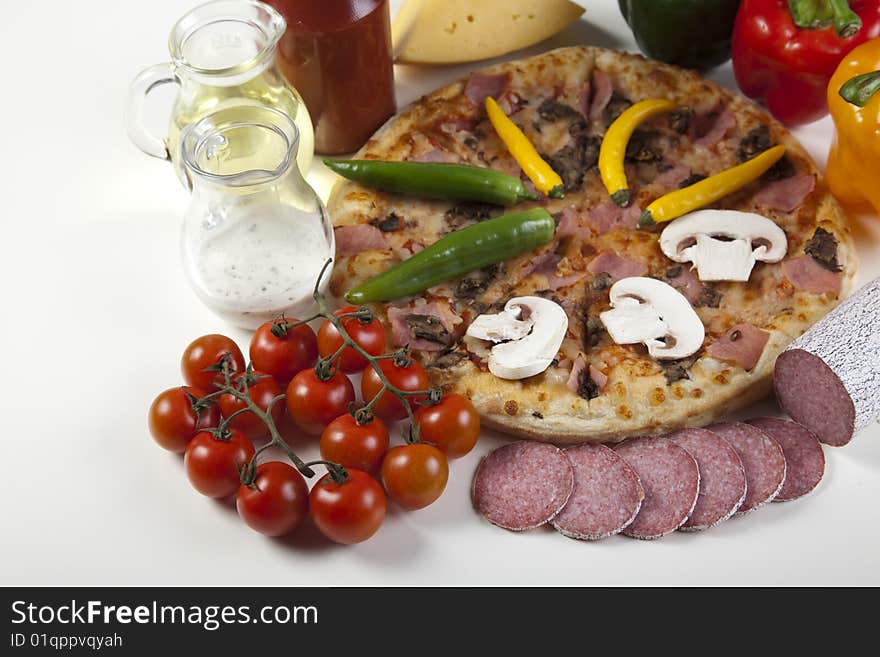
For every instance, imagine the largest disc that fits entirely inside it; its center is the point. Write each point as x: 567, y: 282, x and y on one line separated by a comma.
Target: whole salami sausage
x: 722, y: 477
x: 829, y: 379
x: 607, y: 494
x: 671, y: 480
x: 804, y: 459
x: 763, y: 461
x: 522, y: 485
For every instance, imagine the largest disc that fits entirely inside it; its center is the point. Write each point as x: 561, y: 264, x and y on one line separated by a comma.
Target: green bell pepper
x: 690, y: 33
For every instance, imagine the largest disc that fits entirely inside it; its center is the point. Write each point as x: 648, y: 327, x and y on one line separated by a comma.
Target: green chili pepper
x: 460, y: 253
x: 451, y: 182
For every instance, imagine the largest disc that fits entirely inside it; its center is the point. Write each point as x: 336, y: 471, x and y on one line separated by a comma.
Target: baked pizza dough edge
x: 742, y: 388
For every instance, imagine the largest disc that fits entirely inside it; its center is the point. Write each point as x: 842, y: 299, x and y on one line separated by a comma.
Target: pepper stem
x: 557, y: 192
x: 816, y: 14
x: 846, y: 21
x: 860, y: 89
x: 646, y: 220
x: 622, y: 197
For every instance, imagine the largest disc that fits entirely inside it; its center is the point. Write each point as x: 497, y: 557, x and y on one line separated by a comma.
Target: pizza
x: 597, y: 390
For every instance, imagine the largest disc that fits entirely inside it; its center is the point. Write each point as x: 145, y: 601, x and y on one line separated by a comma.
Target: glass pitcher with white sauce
x: 256, y: 235
x: 222, y: 56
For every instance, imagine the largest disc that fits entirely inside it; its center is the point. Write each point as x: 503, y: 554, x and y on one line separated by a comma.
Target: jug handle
x: 143, y: 84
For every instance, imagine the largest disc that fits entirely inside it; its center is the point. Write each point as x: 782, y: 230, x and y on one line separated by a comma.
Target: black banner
x: 226, y: 621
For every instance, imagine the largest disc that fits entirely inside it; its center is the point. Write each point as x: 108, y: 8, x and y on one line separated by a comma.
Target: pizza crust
x: 637, y: 399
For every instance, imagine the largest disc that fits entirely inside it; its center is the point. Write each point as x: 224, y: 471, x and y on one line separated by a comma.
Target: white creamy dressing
x: 257, y: 267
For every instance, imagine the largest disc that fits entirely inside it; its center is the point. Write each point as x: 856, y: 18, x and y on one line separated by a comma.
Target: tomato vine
x: 238, y: 386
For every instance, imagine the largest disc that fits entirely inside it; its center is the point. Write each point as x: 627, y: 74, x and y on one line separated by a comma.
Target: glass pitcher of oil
x: 256, y: 235
x: 222, y: 56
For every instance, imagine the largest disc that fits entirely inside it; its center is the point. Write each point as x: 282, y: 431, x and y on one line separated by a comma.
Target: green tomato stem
x: 373, y: 361
x: 325, y: 366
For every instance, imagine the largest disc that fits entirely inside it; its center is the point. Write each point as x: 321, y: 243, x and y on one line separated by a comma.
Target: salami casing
x: 671, y: 480
x: 722, y: 477
x: 804, y: 459
x: 829, y: 379
x: 607, y: 494
x: 522, y: 485
x: 762, y: 458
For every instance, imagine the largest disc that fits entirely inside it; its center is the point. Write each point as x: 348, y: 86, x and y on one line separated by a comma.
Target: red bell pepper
x: 785, y: 51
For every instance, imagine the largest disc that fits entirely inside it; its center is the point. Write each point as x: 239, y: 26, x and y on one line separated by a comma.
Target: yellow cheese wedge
x: 454, y: 31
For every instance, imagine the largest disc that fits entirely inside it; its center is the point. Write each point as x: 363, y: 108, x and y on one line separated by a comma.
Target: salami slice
x: 522, y: 485
x: 829, y: 378
x: 762, y: 458
x: 607, y: 494
x: 804, y: 459
x: 722, y: 477
x: 671, y: 481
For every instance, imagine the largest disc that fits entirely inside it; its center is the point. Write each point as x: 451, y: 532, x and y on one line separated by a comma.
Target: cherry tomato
x: 173, y: 422
x: 349, y: 512
x: 208, y: 351
x: 354, y: 445
x: 453, y: 425
x: 389, y: 407
x: 213, y: 465
x: 414, y: 475
x: 285, y: 356
x: 313, y: 404
x: 262, y: 392
x: 370, y: 336
x: 278, y: 501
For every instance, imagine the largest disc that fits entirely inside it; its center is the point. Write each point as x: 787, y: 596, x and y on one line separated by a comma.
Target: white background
x: 96, y: 312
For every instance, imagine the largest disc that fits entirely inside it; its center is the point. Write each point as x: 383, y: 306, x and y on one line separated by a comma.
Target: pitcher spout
x: 241, y: 146
x: 226, y: 42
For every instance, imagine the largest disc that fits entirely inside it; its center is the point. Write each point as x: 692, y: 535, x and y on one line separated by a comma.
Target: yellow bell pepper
x: 613, y: 149
x: 855, y: 107
x: 675, y: 204
x: 524, y: 152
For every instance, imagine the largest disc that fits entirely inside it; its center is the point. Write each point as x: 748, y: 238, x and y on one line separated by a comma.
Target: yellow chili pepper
x: 701, y: 194
x: 523, y: 151
x: 613, y: 149
x: 855, y: 107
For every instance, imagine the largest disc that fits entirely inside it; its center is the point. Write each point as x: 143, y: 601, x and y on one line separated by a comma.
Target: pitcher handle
x: 142, y: 85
